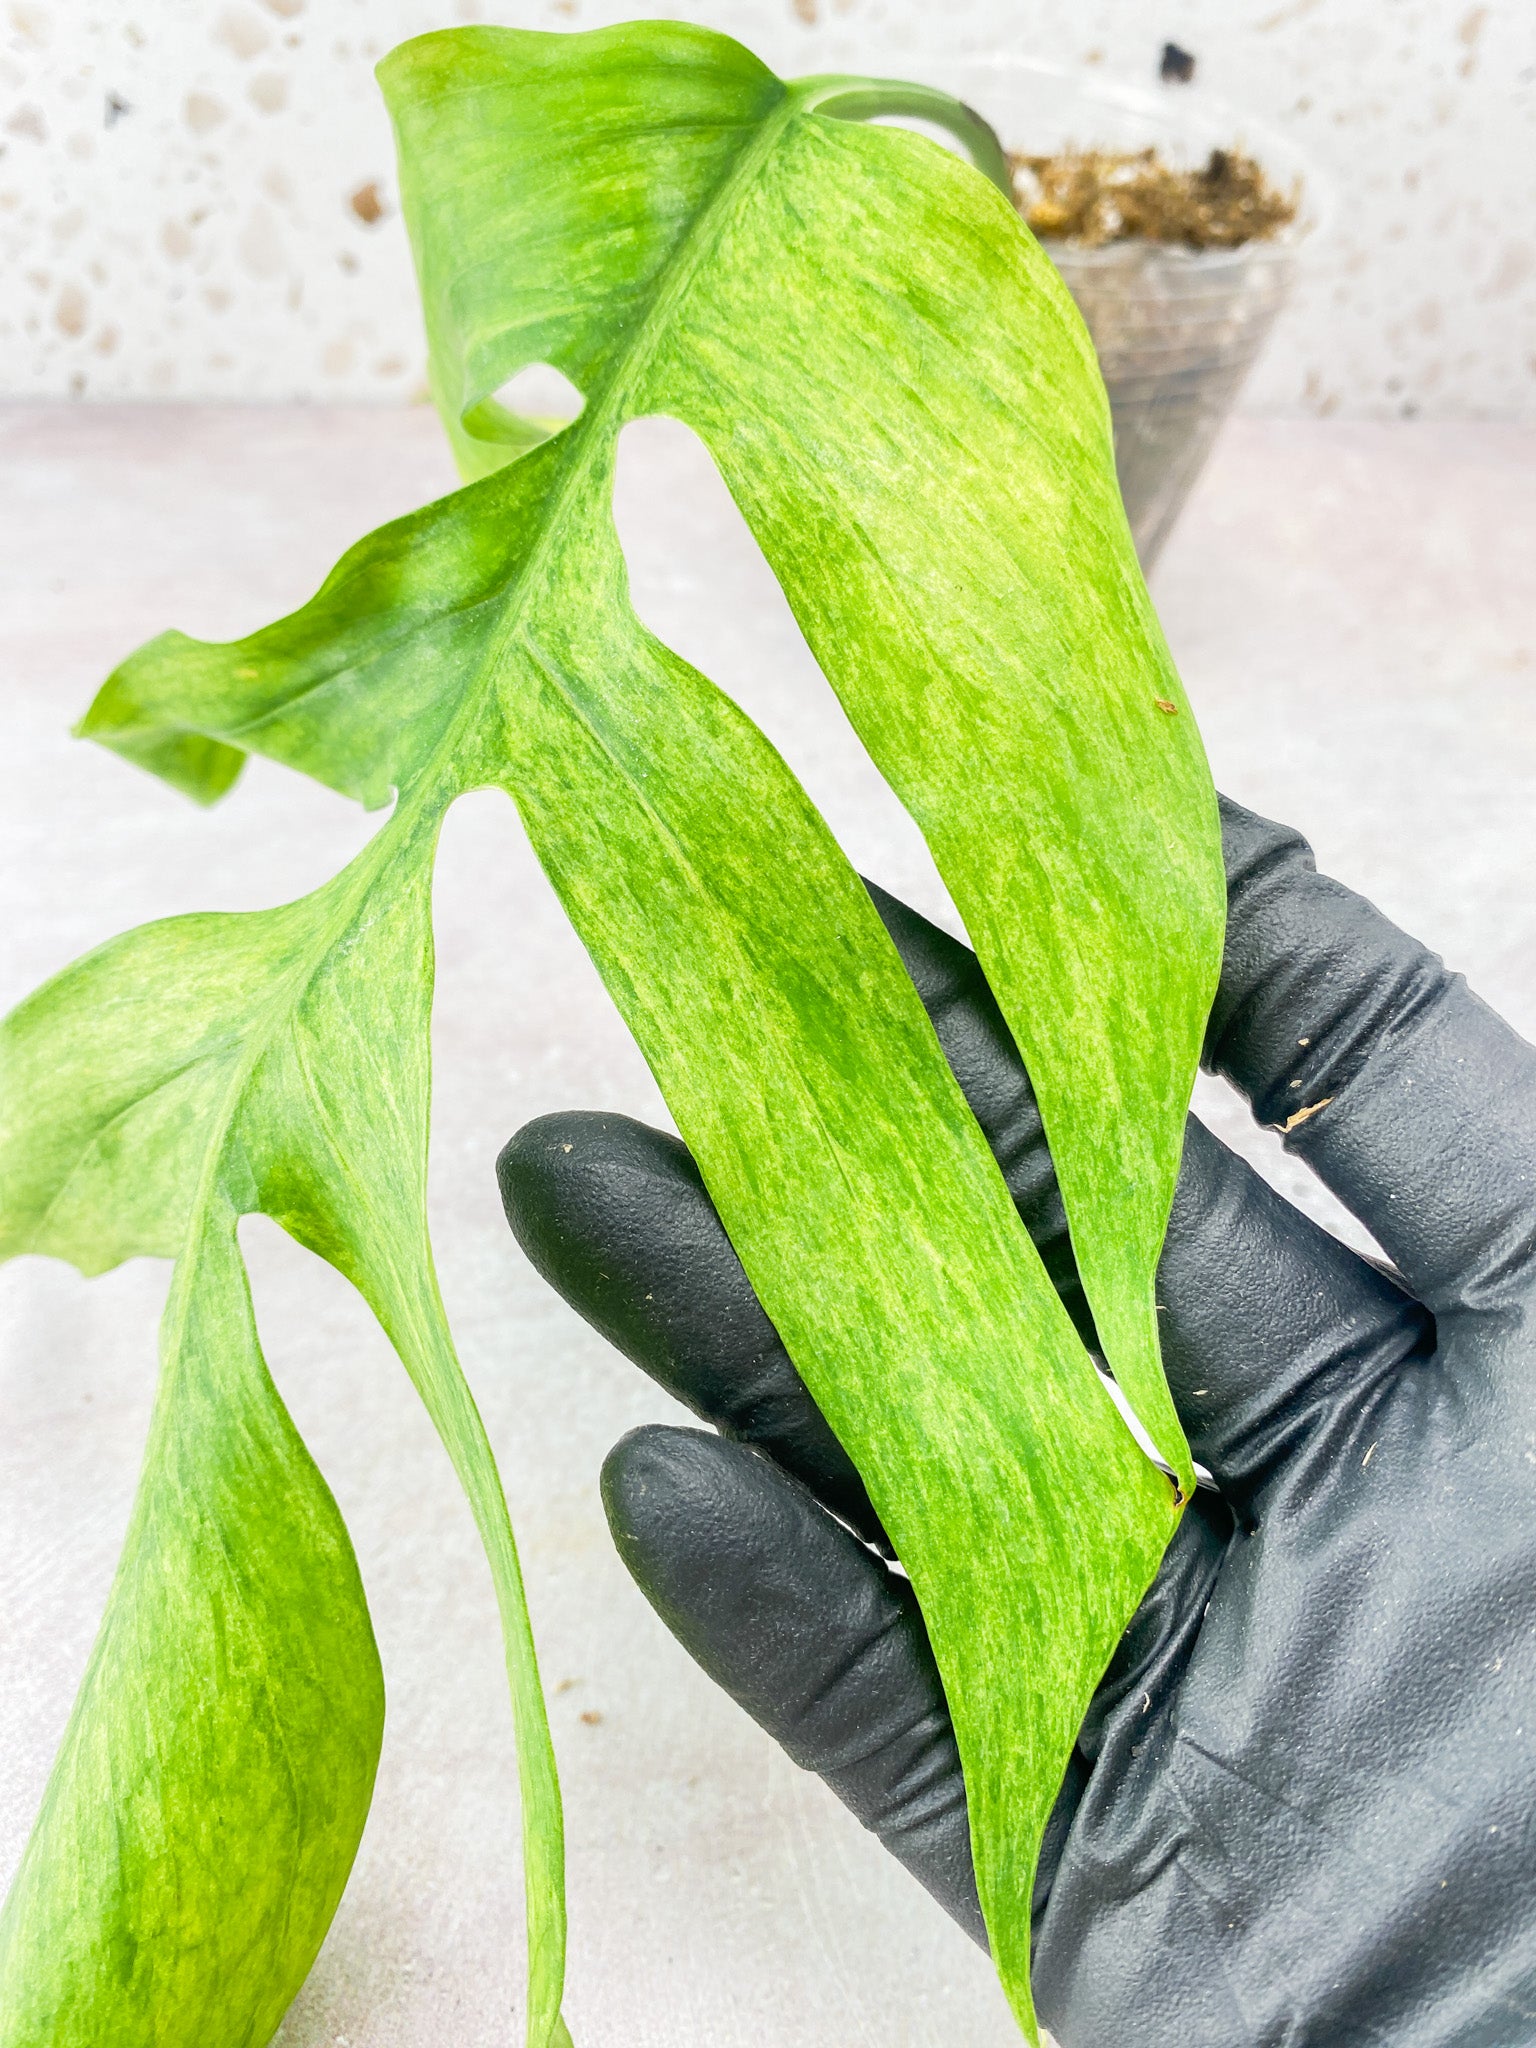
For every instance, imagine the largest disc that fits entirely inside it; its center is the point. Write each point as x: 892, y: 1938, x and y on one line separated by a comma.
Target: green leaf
x: 181, y: 1076
x: 212, y: 1786
x: 903, y: 402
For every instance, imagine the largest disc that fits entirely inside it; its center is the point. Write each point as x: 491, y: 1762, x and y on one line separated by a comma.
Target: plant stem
x: 866, y: 99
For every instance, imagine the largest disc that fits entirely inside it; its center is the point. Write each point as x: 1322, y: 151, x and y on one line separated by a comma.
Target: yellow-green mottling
x: 905, y: 406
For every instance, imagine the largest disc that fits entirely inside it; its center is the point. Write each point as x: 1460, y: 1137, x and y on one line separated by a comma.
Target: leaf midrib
x: 589, y: 436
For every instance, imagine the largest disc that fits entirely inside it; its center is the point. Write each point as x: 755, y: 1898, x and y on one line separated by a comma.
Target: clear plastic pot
x: 1177, y: 329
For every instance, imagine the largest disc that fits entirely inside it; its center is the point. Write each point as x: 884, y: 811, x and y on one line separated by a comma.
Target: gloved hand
x: 1302, y: 1809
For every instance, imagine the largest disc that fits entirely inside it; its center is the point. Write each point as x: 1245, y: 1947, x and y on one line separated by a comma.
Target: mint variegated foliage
x: 903, y: 402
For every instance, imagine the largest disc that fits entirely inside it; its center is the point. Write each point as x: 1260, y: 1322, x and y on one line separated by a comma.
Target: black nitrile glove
x: 1301, y: 1812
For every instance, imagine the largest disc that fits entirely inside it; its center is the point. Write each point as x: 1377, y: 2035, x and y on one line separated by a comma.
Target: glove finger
x: 1270, y: 1325
x: 1404, y: 1092
x: 616, y: 1218
x: 807, y: 1630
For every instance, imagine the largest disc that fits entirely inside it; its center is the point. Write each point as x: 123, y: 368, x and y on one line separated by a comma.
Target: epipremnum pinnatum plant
x: 904, y: 404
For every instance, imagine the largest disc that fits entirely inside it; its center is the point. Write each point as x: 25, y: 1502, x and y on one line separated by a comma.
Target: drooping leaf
x: 211, y: 1790
x: 902, y: 400
x: 171, y: 1081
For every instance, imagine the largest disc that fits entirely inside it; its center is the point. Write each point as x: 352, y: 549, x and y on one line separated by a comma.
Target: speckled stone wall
x: 197, y: 196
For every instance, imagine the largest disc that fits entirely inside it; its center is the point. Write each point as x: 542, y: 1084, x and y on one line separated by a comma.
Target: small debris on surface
x: 1165, y: 704
x: 592, y: 1717
x: 1176, y: 66
x: 366, y: 204
x: 116, y: 108
x: 1302, y: 1114
x: 1096, y: 196
x: 1368, y: 1457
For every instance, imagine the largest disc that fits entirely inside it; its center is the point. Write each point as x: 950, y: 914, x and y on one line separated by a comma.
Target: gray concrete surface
x: 1352, y: 608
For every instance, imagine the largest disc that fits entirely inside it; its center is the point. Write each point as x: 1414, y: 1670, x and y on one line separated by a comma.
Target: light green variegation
x: 903, y: 403
x: 206, y: 1804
